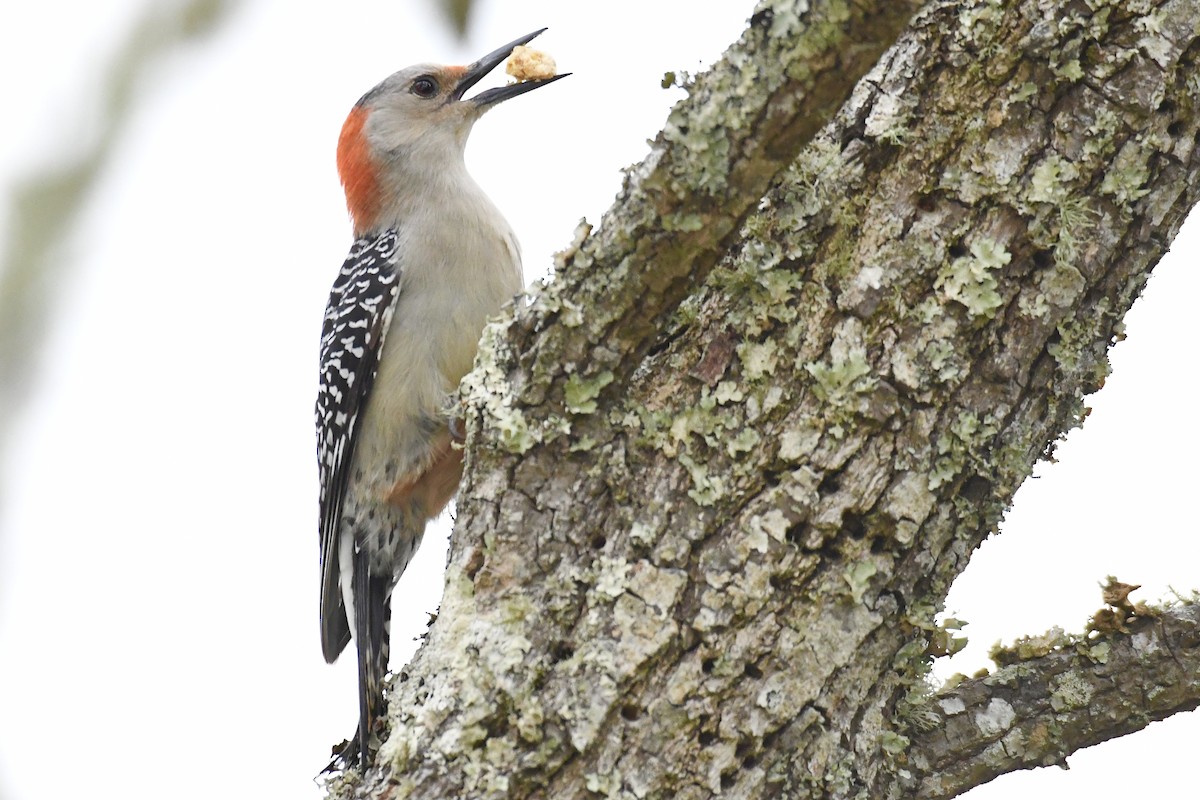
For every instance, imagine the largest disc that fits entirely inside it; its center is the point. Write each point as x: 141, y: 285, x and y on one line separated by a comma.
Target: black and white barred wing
x: 356, y: 322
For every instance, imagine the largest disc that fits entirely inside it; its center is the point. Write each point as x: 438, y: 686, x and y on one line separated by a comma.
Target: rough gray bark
x: 724, y: 468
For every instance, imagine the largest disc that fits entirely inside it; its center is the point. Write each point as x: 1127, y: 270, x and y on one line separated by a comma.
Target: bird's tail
x: 372, y: 619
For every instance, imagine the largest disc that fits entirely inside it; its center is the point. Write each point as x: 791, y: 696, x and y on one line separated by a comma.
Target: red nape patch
x: 357, y: 171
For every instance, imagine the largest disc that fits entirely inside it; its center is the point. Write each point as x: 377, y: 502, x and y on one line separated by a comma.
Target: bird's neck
x: 408, y: 190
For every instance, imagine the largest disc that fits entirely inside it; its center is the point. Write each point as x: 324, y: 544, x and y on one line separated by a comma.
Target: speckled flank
x: 360, y: 308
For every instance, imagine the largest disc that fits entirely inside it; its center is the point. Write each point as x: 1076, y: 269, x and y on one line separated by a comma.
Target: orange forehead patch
x: 357, y: 171
x: 454, y: 73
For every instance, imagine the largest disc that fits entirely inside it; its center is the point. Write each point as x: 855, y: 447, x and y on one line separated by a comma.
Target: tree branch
x: 710, y: 564
x: 1035, y: 712
x: 742, y: 122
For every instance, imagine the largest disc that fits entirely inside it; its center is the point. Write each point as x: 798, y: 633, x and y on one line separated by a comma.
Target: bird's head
x: 415, y: 121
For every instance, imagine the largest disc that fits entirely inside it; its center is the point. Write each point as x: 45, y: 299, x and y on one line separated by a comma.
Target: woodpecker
x: 432, y: 259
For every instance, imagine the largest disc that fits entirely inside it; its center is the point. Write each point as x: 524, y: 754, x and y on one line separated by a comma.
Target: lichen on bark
x: 723, y: 469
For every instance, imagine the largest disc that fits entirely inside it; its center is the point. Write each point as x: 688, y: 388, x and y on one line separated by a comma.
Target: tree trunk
x: 723, y: 469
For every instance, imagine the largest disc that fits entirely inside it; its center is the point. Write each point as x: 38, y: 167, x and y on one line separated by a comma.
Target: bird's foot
x: 343, y: 756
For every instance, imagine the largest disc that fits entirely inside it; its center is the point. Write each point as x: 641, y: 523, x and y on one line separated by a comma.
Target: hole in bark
x: 562, y: 651
x: 727, y: 780
x: 854, y: 526
x: 975, y: 488
x: 957, y: 250
x: 1166, y: 106
x: 752, y: 671
x: 1175, y: 128
x: 829, y: 484
x: 772, y: 477
x: 797, y: 533
x: 666, y: 340
x: 1043, y: 258
x: 742, y: 749
x: 852, y: 133
x: 878, y: 544
x: 706, y: 738
x: 630, y: 712
x: 706, y: 666
x: 925, y: 203
x: 403, y: 676
x: 830, y: 551
x: 769, y: 740
x: 658, y: 347
x: 598, y: 541
x: 776, y: 582
x: 749, y: 762
x: 497, y: 727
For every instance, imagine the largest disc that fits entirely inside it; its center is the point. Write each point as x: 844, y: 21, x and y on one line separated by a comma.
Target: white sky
x: 158, y: 550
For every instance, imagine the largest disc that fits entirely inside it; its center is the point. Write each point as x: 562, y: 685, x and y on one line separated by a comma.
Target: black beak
x: 483, y: 66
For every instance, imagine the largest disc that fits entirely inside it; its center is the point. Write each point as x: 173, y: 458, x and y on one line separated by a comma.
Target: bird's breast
x: 457, y: 270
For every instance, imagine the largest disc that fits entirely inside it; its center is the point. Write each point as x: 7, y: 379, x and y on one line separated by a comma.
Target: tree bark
x: 723, y: 469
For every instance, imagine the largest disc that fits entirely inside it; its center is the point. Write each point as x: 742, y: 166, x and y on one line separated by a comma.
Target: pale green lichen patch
x: 1030, y: 647
x: 858, y: 577
x: 893, y: 743
x: 580, y: 393
x: 707, y: 488
x: 840, y: 380
x: 743, y: 442
x: 1099, y: 652
x: 566, y: 256
x: 686, y: 222
x: 642, y: 534
x: 1069, y: 69
x: 1075, y: 222
x: 773, y: 523
x: 604, y: 785
x: 1154, y: 43
x: 1051, y: 178
x: 910, y: 498
x: 796, y: 443
x: 758, y: 360
x: 1075, y: 337
x: 971, y: 280
x: 928, y: 356
x: 1069, y: 691
x: 978, y: 23
x: 486, y: 389
x: 944, y: 638
x: 967, y: 436
x: 1061, y: 285
x: 611, y: 574
x: 1126, y: 179
x: 728, y: 392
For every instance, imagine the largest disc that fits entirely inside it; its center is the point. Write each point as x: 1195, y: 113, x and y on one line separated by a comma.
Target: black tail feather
x: 372, y: 613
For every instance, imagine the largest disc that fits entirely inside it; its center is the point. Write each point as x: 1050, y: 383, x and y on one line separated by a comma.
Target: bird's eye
x: 424, y: 86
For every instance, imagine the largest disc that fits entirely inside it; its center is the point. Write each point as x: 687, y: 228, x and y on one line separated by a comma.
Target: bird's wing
x: 356, y: 322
